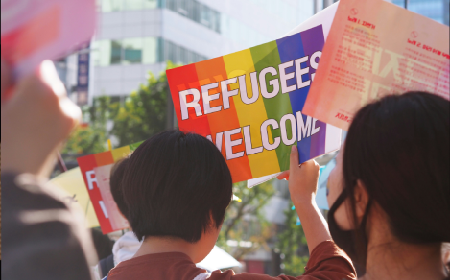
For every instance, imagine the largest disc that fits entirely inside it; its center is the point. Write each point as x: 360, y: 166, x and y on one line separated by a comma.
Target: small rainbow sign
x: 249, y: 104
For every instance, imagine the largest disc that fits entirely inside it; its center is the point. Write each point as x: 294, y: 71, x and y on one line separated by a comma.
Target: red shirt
x: 327, y: 261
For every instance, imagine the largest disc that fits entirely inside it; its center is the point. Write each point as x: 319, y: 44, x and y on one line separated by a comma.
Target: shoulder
x: 41, y: 233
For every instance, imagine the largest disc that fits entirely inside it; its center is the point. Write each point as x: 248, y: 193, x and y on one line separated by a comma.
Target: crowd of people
x: 389, y: 195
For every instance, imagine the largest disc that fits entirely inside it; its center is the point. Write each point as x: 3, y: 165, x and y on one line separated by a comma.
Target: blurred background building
x: 138, y: 36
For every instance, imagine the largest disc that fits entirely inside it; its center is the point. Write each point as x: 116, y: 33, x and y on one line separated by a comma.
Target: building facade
x: 136, y: 37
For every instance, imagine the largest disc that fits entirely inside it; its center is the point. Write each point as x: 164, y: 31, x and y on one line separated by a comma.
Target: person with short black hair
x: 177, y: 186
x: 115, y: 184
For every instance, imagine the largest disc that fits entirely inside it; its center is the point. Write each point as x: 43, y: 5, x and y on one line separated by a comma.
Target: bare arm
x: 303, y: 182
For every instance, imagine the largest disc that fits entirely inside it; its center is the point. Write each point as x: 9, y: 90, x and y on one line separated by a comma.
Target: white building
x: 137, y: 36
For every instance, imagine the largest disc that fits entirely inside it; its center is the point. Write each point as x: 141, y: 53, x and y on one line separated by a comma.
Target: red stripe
x: 87, y: 163
x: 180, y: 79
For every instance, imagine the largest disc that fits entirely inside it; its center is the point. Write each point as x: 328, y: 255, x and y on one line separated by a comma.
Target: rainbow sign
x: 96, y: 169
x: 249, y: 104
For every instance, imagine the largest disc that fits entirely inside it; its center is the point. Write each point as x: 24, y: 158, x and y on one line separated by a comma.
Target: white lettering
x: 227, y: 94
x: 274, y: 83
x: 314, y: 64
x: 248, y: 143
x: 208, y: 98
x: 314, y: 128
x: 194, y: 104
x: 283, y: 129
x: 90, y: 178
x: 285, y: 77
x: 243, y: 88
x: 265, y: 135
x: 219, y: 139
x: 229, y: 144
x: 301, y: 71
x: 303, y: 128
x: 103, y: 206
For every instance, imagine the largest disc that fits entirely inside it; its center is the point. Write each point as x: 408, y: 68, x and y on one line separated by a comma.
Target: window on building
x: 146, y: 50
x: 132, y: 50
x: 112, y: 5
x: 128, y: 5
x: 434, y: 9
x: 150, y: 50
x: 197, y: 12
x: 116, y: 52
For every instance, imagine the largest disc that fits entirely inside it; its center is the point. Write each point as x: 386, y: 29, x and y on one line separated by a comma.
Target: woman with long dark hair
x: 390, y: 193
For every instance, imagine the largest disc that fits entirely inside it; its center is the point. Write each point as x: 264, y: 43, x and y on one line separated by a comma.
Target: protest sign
x: 34, y: 30
x: 376, y: 48
x: 249, y: 103
x: 96, y: 169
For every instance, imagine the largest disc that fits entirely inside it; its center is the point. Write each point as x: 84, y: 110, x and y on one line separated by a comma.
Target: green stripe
x: 264, y: 56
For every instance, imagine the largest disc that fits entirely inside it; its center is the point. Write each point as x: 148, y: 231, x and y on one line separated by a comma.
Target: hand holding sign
x: 35, y: 121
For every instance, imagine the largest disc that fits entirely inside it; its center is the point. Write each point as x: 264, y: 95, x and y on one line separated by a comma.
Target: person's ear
x: 361, y: 199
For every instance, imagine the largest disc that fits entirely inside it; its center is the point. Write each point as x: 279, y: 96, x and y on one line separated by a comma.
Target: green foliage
x: 92, y: 136
x: 292, y: 243
x: 143, y: 114
x: 255, y: 228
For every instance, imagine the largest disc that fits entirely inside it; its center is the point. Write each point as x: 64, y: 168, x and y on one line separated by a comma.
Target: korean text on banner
x: 249, y: 104
x: 34, y: 30
x: 96, y: 170
x: 376, y: 48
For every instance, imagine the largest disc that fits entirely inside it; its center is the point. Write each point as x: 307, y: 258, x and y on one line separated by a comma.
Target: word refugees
x: 258, y: 84
x: 293, y: 129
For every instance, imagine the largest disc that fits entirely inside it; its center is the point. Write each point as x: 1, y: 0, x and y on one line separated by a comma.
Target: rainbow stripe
x: 240, y: 115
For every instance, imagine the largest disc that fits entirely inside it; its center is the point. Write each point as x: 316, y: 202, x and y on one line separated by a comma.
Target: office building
x: 135, y: 37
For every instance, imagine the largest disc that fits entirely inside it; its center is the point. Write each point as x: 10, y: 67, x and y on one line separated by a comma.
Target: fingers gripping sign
x: 303, y: 178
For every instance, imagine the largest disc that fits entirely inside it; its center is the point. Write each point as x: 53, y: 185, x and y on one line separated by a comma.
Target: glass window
x: 101, y: 51
x: 183, y: 57
x: 149, y: 52
x: 132, y: 50
x: 182, y: 7
x: 133, y: 5
x: 204, y: 16
x: 160, y: 51
x: 150, y: 4
x: 116, y: 52
x: 171, y: 5
x: 112, y: 5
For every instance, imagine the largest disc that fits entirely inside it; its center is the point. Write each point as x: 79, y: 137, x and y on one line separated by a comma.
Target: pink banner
x: 375, y: 48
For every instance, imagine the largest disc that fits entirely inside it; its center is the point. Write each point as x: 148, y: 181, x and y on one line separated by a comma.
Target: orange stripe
x: 213, y: 71
x: 104, y: 158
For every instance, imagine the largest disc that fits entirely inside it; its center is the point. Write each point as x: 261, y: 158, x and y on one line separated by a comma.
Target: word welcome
x: 258, y: 84
x: 298, y: 127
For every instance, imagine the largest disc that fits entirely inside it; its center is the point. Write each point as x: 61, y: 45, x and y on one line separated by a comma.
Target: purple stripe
x: 313, y: 41
x: 318, y: 140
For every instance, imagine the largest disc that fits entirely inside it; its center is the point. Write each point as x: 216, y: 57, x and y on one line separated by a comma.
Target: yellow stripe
x: 120, y: 153
x: 238, y: 64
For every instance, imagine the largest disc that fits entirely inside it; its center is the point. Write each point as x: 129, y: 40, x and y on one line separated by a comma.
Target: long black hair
x: 399, y: 147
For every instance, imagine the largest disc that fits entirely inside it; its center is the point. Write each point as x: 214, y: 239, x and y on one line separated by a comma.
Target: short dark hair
x: 175, y: 182
x: 115, y: 184
x: 399, y: 148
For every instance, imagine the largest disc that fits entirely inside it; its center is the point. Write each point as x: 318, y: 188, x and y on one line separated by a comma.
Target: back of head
x: 399, y: 148
x: 115, y: 184
x: 175, y: 183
